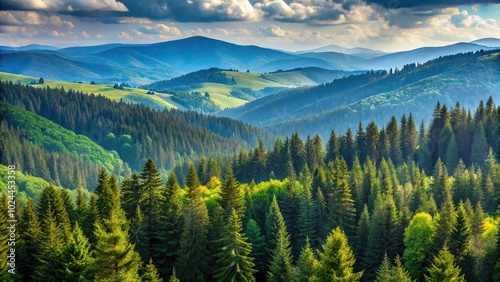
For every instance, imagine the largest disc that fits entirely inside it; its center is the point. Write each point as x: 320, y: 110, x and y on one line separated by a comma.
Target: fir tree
x: 306, y: 263
x: 395, y: 140
x: 30, y: 240
x: 170, y: 228
x: 76, y: 260
x: 253, y: 232
x: 443, y: 268
x: 193, y: 242
x: 274, y: 223
x: 460, y: 243
x: 235, y: 263
x: 115, y: 257
x: 336, y: 260
x: 479, y: 150
x: 130, y: 194
x: 280, y: 266
x: 151, y: 273
x: 232, y: 195
x: 138, y: 235
x: 307, y: 218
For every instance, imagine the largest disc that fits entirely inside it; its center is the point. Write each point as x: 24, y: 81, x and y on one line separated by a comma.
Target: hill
x: 127, y: 94
x: 139, y: 64
x: 362, y: 98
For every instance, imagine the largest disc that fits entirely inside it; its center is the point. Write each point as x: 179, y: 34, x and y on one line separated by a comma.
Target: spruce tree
x: 232, y: 196
x: 479, y: 150
x: 151, y: 273
x: 343, y: 210
x: 170, y: 227
x: 30, y: 240
x: 307, y: 218
x: 451, y: 158
x: 138, y: 234
x: 234, y: 261
x: 336, y: 260
x: 395, y: 140
x: 281, y: 268
x: 194, y: 256
x: 460, y: 244
x: 130, y: 194
x: 443, y: 268
x: 254, y: 235
x: 306, y: 263
x: 274, y: 222
x: 392, y: 273
x: 115, y: 257
x: 332, y: 147
x: 4, y: 239
x: 362, y: 232
x: 149, y: 201
x: 76, y: 260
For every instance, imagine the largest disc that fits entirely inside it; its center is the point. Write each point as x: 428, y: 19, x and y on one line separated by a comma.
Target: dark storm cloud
x: 396, y: 4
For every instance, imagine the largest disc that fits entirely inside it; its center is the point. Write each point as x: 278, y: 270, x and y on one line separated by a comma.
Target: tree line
x: 384, y: 215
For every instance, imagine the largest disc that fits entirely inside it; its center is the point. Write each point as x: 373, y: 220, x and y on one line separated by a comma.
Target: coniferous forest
x: 150, y: 196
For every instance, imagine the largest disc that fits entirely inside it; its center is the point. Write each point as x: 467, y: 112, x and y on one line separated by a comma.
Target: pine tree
x: 362, y: 233
x: 343, y: 210
x: 130, y: 194
x: 306, y: 263
x: 371, y: 139
x: 173, y: 277
x: 445, y: 222
x: 235, y: 263
x: 254, y: 234
x: 280, y: 265
x: 76, y: 260
x: 30, y: 240
x: 149, y: 201
x: 193, y: 242
x: 451, y: 158
x: 51, y: 197
x: 5, y: 232
x: 115, y: 257
x: 170, y: 228
x: 395, y: 140
x: 443, y: 268
x: 336, y: 260
x: 52, y: 243
x: 274, y: 222
x: 307, y: 218
x: 392, y: 273
x: 232, y: 195
x: 333, y: 148
x: 479, y: 150
x: 151, y: 273
x: 138, y: 235
x: 460, y: 243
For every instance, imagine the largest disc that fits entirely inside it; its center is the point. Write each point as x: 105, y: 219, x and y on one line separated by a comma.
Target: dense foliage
x: 393, y: 204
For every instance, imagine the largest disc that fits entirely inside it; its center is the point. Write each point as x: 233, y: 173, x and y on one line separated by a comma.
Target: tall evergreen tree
x: 232, y: 196
x: 332, y: 148
x: 280, y: 266
x: 130, y: 194
x: 149, y: 201
x: 418, y: 241
x: 151, y: 273
x: 170, y: 228
x: 443, y: 268
x: 307, y: 218
x: 395, y: 140
x: 235, y: 263
x: 193, y: 243
x: 115, y: 257
x: 255, y: 237
x: 479, y: 150
x: 336, y: 260
x: 76, y: 260
x: 460, y: 244
x: 274, y: 223
x: 307, y: 263
x: 30, y: 237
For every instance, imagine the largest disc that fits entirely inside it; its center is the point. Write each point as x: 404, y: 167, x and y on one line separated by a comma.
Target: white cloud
x: 85, y: 34
x: 125, y: 35
x: 32, y: 18
x: 100, y: 36
x: 67, y: 5
x: 272, y: 31
x: 160, y: 29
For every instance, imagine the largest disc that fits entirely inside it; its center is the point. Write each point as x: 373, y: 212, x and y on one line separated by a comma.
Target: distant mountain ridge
x: 139, y: 64
x: 465, y: 78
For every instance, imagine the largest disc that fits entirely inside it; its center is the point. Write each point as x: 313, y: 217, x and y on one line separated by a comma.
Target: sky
x: 293, y: 25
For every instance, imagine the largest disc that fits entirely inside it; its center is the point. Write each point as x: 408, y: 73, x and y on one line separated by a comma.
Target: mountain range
x: 146, y: 63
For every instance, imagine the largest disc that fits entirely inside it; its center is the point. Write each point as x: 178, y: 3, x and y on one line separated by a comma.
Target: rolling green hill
x: 464, y: 78
x: 54, y: 138
x: 128, y: 94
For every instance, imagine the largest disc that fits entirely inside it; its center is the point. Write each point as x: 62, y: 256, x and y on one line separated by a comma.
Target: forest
x: 397, y: 203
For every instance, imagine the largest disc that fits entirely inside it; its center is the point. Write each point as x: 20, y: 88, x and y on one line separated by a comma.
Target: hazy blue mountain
x: 466, y: 78
x: 490, y: 42
x: 420, y: 55
x: 30, y: 47
x: 344, y: 50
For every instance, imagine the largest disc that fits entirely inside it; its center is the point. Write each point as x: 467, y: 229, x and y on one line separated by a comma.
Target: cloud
x: 32, y: 18
x: 125, y: 35
x: 272, y: 31
x: 100, y: 36
x: 160, y: 29
x: 85, y: 34
x: 396, y: 4
x: 64, y: 5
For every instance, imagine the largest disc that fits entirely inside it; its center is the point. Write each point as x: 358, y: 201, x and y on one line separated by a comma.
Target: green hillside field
x: 133, y: 95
